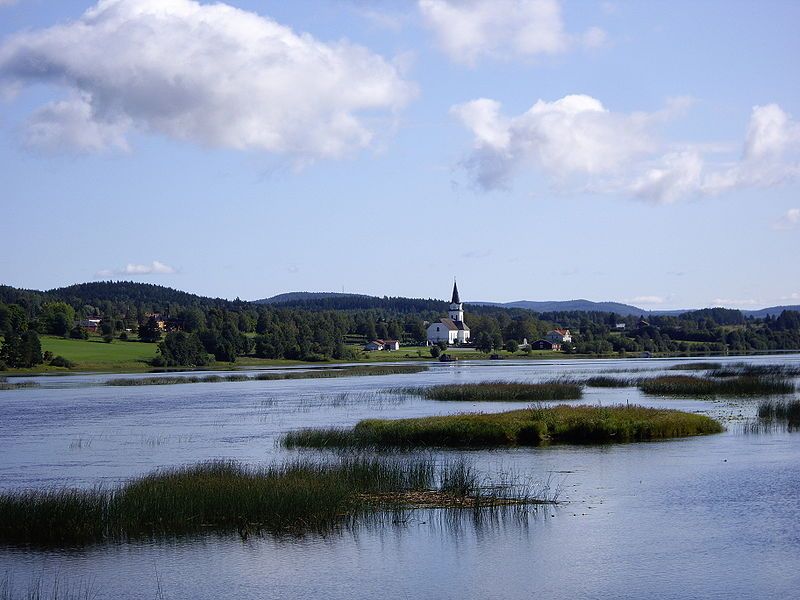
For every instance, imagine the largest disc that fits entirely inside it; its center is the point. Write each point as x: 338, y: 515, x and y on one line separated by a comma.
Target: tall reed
x: 499, y: 391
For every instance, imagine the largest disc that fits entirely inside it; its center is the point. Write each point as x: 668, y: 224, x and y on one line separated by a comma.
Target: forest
x: 194, y: 330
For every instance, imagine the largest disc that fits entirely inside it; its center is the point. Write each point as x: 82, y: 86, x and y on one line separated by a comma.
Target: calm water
x: 711, y: 517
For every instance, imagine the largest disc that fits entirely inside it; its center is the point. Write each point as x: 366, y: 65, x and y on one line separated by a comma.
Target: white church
x: 452, y: 330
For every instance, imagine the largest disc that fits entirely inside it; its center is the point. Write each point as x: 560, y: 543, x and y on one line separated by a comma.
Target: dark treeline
x: 194, y: 330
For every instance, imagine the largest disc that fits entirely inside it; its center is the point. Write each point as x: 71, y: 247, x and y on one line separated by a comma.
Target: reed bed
x: 37, y: 590
x: 498, y: 391
x: 602, y: 381
x: 696, y: 366
x: 780, y: 410
x: 360, y: 371
x: 750, y: 370
x: 687, y: 385
x: 526, y: 427
x: 225, y: 496
x: 5, y: 384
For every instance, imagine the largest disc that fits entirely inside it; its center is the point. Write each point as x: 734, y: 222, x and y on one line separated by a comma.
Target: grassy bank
x: 358, y: 371
x: 225, y: 496
x: 686, y: 385
x: 526, y: 427
x: 498, y: 391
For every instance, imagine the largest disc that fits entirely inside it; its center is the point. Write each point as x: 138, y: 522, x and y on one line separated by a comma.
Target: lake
x: 712, y: 517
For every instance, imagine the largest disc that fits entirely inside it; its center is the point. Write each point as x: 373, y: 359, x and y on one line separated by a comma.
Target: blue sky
x: 645, y: 152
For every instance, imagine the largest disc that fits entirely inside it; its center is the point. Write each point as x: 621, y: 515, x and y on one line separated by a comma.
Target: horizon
x: 466, y: 302
x: 546, y: 150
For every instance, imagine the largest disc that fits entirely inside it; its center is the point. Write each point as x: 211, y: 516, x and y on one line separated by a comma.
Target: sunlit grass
x: 526, y: 427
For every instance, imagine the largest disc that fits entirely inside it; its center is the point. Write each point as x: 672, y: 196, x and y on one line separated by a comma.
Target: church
x: 452, y: 330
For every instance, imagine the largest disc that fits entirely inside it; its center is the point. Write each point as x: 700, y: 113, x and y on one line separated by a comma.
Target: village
x: 453, y: 332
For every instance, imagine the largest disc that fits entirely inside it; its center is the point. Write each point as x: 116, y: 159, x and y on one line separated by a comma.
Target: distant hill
x: 302, y: 296
x: 772, y: 311
x: 581, y: 305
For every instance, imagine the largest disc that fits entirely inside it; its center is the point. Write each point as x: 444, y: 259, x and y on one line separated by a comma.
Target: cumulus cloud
x: 470, y: 29
x: 577, y: 140
x: 788, y: 221
x: 209, y: 74
x: 154, y: 268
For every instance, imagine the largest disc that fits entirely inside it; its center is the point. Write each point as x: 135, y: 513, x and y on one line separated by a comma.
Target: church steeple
x: 456, y: 312
x: 456, y: 299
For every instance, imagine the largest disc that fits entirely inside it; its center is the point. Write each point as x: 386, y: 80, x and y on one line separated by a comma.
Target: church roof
x: 454, y: 325
x: 456, y: 299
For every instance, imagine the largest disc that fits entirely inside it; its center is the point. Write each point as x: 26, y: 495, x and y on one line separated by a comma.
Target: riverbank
x: 95, y: 356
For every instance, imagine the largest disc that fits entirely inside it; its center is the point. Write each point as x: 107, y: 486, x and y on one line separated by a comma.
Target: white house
x: 451, y: 330
x: 389, y: 345
x: 559, y: 336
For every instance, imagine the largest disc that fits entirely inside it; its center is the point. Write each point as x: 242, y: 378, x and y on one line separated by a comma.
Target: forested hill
x: 110, y: 292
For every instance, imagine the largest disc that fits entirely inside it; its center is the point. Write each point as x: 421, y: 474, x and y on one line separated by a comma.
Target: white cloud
x: 209, y: 74
x: 573, y: 135
x: 792, y: 296
x: 470, y: 29
x: 788, y: 221
x: 154, y: 268
x: 576, y: 140
x: 648, y: 300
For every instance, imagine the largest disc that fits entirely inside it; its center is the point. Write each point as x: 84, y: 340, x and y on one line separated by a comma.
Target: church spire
x: 456, y: 299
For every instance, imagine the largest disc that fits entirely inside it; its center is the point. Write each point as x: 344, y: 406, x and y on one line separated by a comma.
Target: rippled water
x: 711, y: 517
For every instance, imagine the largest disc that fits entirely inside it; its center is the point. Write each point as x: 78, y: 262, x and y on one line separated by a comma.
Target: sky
x: 641, y: 152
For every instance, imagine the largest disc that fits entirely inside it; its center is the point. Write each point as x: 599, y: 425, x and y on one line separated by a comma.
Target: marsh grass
x: 5, y: 384
x: 751, y: 370
x: 780, y: 410
x: 696, y: 366
x: 498, y: 391
x: 292, y: 497
x: 358, y: 371
x: 37, y: 590
x: 602, y: 381
x: 527, y: 427
x: 688, y: 385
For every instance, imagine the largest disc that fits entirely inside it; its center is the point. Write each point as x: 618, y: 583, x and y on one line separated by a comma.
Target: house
x: 159, y: 320
x: 545, y: 345
x: 388, y: 345
x: 453, y: 329
x: 91, y: 324
x: 620, y: 326
x: 559, y: 336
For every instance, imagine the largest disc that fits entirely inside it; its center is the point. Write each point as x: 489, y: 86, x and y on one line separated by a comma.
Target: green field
x: 96, y: 355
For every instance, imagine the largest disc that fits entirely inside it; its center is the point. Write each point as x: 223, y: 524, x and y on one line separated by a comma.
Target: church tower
x: 456, y: 312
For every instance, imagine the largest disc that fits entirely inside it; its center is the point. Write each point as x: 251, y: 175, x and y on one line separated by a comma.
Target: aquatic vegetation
x: 696, y: 366
x: 499, y: 391
x: 358, y: 371
x: 780, y: 410
x: 687, y: 385
x: 609, y: 382
x: 743, y: 369
x: 227, y: 496
x: 17, y: 385
x: 37, y: 590
x: 525, y: 427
